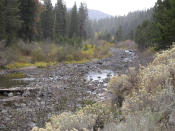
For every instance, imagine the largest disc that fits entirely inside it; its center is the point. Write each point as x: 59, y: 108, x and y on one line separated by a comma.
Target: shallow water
x: 24, y: 79
x: 99, y: 76
x: 14, y: 81
x: 6, y: 82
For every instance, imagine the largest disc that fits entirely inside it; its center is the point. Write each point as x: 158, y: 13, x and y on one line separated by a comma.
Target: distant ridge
x: 97, y: 15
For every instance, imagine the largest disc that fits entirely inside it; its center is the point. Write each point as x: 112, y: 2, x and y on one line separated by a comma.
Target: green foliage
x: 47, y: 20
x: 31, y: 21
x: 15, y: 75
x: 18, y: 65
x: 83, y: 17
x: 28, y: 15
x: 73, y: 30
x: 165, y: 20
x: 145, y: 35
x: 2, y: 29
x: 159, y: 32
x: 10, y: 22
x: 118, y: 36
x: 60, y: 19
x: 104, y: 36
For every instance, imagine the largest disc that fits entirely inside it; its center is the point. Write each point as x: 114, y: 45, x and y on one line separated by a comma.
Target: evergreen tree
x: 73, y: 30
x: 88, y: 28
x: 28, y: 14
x: 11, y: 19
x: 60, y: 19
x: 38, y: 28
x: 68, y: 21
x: 165, y: 21
x: 2, y: 19
x: 146, y: 34
x: 131, y: 35
x: 118, y: 35
x: 83, y: 16
x: 47, y: 20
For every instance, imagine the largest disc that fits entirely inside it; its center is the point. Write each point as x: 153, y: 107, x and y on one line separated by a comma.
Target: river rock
x: 10, y: 94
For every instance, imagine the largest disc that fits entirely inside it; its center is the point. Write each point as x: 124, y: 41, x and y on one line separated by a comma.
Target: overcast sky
x: 114, y: 7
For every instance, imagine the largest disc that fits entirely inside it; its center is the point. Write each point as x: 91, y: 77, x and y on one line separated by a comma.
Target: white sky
x: 113, y: 7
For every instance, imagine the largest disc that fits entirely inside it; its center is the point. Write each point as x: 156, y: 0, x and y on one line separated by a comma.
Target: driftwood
x: 16, y: 90
x: 12, y: 99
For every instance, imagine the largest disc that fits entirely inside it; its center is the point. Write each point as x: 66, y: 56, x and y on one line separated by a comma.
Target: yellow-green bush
x: 123, y: 84
x: 18, y: 65
x: 88, y: 51
x: 17, y: 75
x: 84, y: 118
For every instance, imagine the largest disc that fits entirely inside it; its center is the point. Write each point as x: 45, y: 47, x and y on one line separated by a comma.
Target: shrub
x: 151, y: 93
x: 38, y: 55
x: 84, y: 118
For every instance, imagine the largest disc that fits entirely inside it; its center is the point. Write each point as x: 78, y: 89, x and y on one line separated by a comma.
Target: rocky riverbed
x: 65, y: 87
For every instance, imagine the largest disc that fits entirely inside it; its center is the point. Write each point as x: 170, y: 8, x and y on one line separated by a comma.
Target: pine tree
x: 145, y: 35
x: 83, y: 17
x: 11, y: 19
x: 118, y: 35
x: 60, y: 19
x: 28, y: 14
x: 165, y: 21
x: 131, y: 35
x: 1, y: 19
x: 73, y: 30
x: 47, y: 20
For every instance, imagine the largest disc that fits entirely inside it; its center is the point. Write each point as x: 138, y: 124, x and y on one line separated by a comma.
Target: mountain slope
x: 97, y: 15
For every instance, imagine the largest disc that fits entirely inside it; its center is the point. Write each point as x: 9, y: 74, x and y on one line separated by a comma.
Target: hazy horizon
x: 113, y: 7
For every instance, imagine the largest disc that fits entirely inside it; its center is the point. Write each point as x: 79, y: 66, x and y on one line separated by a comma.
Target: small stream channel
x: 12, y: 81
x: 99, y: 75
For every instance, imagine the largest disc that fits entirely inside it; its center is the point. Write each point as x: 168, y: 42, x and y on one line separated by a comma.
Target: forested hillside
x: 123, y: 27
